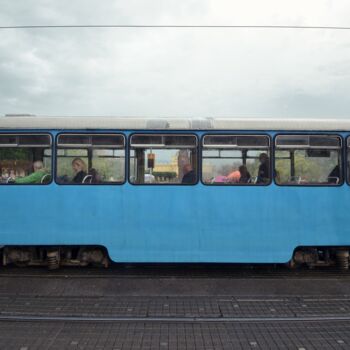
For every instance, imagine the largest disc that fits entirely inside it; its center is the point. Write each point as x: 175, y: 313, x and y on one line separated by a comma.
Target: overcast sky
x: 176, y: 72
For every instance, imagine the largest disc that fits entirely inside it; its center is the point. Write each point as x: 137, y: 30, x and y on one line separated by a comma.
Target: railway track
x: 172, y: 319
x: 173, y: 309
x: 188, y: 271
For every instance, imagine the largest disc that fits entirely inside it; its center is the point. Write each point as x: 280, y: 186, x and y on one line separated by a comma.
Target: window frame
x: 51, y: 147
x: 346, y: 170
x: 71, y: 146
x: 270, y: 149
x: 161, y: 133
x: 341, y: 163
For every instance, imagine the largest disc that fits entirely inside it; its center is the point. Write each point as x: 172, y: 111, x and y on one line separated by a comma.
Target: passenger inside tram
x: 79, y: 169
x: 264, y: 169
x: 241, y: 175
x: 96, y: 177
x: 234, y: 176
x: 90, y: 159
x: 36, y: 177
x: 189, y: 176
x: 235, y: 173
x: 244, y: 174
x: 25, y: 159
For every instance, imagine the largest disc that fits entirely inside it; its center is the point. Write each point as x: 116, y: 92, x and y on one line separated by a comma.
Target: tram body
x: 170, y: 221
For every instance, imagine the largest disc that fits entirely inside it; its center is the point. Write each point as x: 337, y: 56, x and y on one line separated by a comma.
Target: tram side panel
x: 177, y: 223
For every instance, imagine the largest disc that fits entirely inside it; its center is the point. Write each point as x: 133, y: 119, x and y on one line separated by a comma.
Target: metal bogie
x: 18, y: 256
x: 342, y: 257
x: 54, y: 257
x: 321, y: 256
x: 94, y: 256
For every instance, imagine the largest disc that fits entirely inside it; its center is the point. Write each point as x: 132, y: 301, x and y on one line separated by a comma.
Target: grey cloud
x: 335, y: 104
x: 154, y: 72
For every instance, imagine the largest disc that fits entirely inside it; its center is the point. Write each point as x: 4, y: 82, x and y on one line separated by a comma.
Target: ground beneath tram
x: 174, y: 307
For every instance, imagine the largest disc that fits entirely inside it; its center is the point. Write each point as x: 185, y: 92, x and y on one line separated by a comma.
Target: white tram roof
x: 137, y: 123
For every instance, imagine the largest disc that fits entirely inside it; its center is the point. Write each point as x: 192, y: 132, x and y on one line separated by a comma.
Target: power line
x: 136, y: 26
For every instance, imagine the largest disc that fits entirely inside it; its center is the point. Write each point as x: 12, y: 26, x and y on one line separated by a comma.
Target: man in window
x: 189, y: 174
x: 35, y: 177
x: 264, y: 169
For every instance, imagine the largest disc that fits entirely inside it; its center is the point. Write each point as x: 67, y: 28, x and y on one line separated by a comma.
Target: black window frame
x: 86, y: 146
x: 18, y: 145
x: 346, y: 169
x: 202, y: 147
x: 196, y: 147
x: 341, y: 163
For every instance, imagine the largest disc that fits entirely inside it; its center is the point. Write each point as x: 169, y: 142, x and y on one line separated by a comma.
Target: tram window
x: 236, y: 160
x: 90, y: 158
x: 163, y: 159
x: 308, y: 160
x: 25, y: 159
x: 348, y: 160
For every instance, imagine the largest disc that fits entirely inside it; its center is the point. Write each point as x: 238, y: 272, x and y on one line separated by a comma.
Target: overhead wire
x: 175, y: 26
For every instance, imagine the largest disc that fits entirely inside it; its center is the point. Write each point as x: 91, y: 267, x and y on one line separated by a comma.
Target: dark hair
x: 95, y: 175
x: 243, y: 167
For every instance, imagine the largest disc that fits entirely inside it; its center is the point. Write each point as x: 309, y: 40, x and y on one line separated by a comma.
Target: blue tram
x: 76, y: 191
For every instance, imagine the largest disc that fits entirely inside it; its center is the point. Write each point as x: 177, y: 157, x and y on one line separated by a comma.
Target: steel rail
x: 217, y: 274
x: 29, y: 318
x: 172, y: 277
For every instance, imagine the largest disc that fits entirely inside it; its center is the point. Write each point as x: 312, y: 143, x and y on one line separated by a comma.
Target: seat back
x: 253, y: 180
x: 87, y: 179
x: 10, y: 180
x: 333, y: 179
x: 45, y: 179
x: 296, y: 179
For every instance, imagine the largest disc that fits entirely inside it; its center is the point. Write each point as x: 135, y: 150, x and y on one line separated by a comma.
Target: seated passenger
x: 96, y: 178
x: 79, y: 168
x: 35, y: 177
x: 234, y: 176
x: 244, y: 174
x: 189, y: 175
x: 13, y: 174
x: 334, y: 175
x: 219, y: 179
x: 264, y: 169
x: 5, y: 174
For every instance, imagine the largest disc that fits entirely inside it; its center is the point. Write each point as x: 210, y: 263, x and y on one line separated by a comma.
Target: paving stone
x: 156, y: 335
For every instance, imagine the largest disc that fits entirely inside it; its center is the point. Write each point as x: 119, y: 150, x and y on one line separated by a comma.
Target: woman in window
x: 79, y: 168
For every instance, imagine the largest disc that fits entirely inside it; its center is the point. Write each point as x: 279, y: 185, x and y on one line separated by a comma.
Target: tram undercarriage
x: 321, y: 256
x: 54, y: 257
